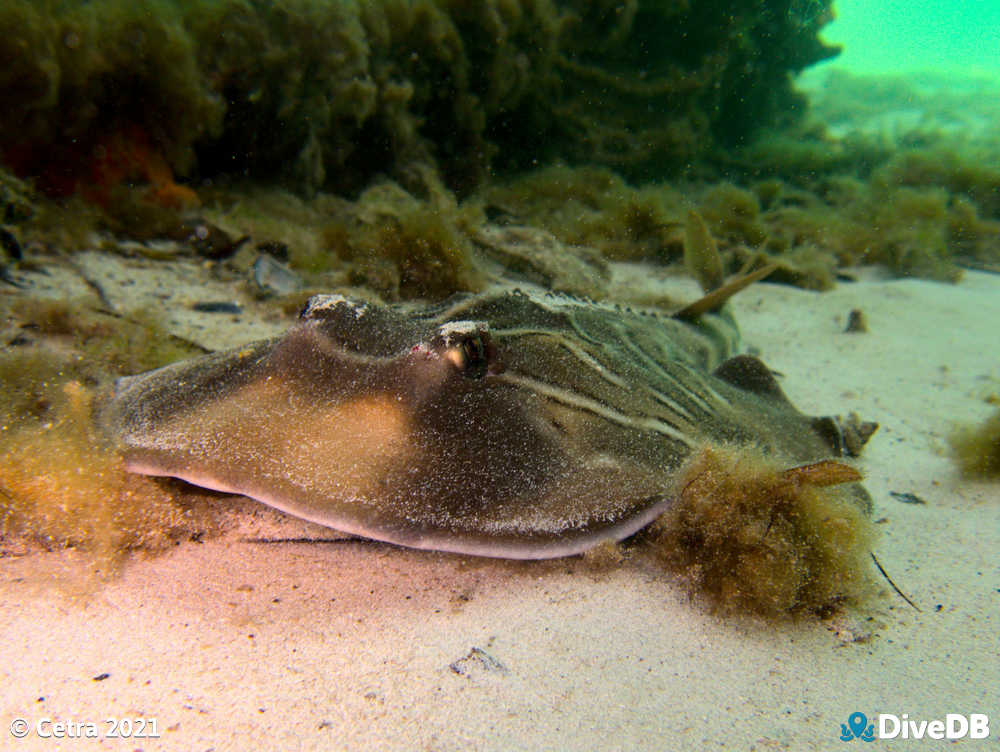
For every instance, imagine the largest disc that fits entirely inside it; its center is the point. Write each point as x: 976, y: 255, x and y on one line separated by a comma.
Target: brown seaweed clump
x: 752, y: 536
x: 61, y: 484
x: 404, y: 248
x: 62, y: 487
x: 595, y: 207
x: 976, y: 449
x: 94, y: 344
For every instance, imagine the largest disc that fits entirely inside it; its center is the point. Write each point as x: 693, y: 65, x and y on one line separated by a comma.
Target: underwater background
x: 943, y: 36
x: 602, y: 122
x: 179, y: 176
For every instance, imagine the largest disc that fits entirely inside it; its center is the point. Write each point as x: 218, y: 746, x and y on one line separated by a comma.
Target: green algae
x: 404, y: 248
x: 867, y: 180
x: 330, y: 94
x: 76, y: 72
x: 965, y: 175
x: 99, y: 343
x: 914, y: 228
x: 74, y: 341
x: 318, y: 96
x: 733, y: 213
x: 976, y: 448
x: 595, y: 207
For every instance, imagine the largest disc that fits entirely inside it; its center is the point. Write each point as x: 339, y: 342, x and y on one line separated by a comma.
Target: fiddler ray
x: 511, y: 423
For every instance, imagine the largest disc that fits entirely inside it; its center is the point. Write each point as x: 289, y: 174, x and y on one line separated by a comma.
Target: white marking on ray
x: 670, y: 404
x: 579, y: 402
x: 327, y: 302
x: 578, y: 352
x: 707, y: 387
x: 462, y: 327
x: 591, y: 361
x: 669, y: 377
x: 583, y: 334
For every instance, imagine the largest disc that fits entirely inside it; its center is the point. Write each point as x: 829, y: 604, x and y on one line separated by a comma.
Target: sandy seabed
x: 234, y: 644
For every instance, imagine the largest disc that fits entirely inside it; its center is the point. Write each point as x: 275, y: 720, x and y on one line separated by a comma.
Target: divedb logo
x: 889, y: 726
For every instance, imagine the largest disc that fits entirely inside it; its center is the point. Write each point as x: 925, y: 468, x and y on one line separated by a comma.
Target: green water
x: 902, y: 36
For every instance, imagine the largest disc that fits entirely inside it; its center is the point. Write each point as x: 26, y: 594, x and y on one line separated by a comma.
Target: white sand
x: 238, y: 645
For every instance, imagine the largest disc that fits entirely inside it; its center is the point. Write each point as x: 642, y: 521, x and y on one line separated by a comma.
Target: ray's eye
x: 474, y: 355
